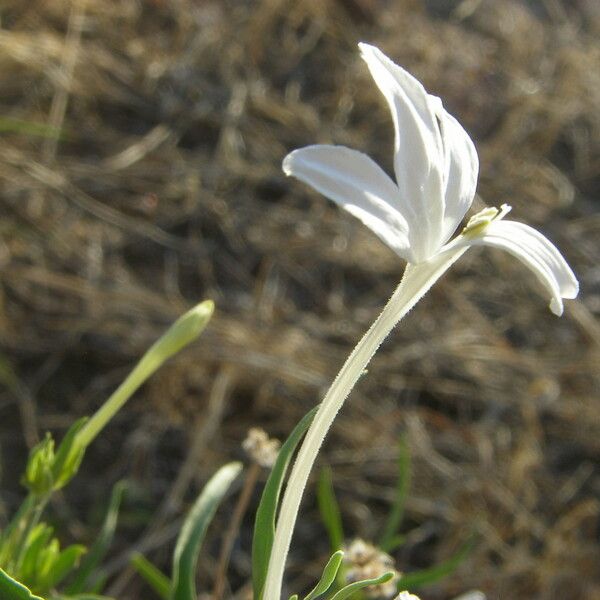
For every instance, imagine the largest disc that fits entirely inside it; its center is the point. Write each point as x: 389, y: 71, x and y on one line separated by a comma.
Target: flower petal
x: 460, y: 172
x: 534, y: 250
x: 418, y: 158
x: 352, y: 180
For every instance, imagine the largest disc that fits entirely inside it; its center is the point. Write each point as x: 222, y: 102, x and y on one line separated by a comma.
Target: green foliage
x: 47, y: 470
x: 39, y: 475
x: 68, y: 456
x: 155, y: 578
x: 27, y: 549
x: 390, y: 538
x: 29, y: 128
x: 417, y: 579
x: 328, y: 577
x: 90, y: 563
x: 44, y: 565
x: 10, y: 589
x: 181, y: 333
x: 194, y: 529
x: 264, y: 524
x: 329, y: 509
x: 354, y: 587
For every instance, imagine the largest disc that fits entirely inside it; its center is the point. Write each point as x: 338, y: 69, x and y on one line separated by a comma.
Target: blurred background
x: 140, y: 153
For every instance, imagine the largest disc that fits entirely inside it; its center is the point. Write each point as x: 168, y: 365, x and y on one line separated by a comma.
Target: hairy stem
x: 415, y: 283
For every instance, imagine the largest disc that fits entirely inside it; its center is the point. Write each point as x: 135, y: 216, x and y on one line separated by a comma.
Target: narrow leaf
x: 36, y: 541
x: 64, y: 564
x: 328, y: 577
x: 68, y: 456
x: 155, y: 578
x: 397, y: 511
x: 10, y: 589
x: 330, y: 510
x: 350, y: 589
x: 194, y: 529
x: 100, y: 546
x: 264, y: 524
x: 416, y: 579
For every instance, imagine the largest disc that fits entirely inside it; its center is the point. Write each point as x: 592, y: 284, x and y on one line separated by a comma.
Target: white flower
x: 436, y: 174
x: 436, y: 167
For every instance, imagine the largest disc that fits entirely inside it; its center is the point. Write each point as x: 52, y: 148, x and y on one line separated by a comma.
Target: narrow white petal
x: 418, y: 158
x: 534, y: 250
x: 460, y: 172
x: 352, y: 180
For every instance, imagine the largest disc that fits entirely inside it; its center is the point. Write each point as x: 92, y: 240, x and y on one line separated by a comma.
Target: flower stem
x: 415, y: 283
x: 184, y: 331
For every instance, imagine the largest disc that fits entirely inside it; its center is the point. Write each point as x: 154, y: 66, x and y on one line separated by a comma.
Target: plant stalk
x: 415, y: 283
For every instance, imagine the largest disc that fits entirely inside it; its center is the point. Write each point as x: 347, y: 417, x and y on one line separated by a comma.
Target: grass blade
x: 264, y: 524
x: 98, y: 550
x: 194, y: 529
x: 394, y: 520
x: 154, y: 577
x: 414, y: 580
x: 330, y: 509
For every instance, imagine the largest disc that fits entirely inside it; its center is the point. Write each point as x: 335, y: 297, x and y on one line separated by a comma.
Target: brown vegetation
x: 140, y: 173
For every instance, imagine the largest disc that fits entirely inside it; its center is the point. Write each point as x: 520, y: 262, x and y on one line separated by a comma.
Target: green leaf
x: 69, y: 455
x: 101, y: 545
x: 12, y: 533
x: 10, y: 589
x: 37, y: 540
x: 64, y: 564
x: 264, y: 524
x: 328, y: 577
x: 155, y: 578
x: 330, y: 510
x: 389, y: 537
x: 411, y: 581
x: 352, y: 588
x: 39, y: 477
x: 395, y: 542
x: 47, y: 558
x: 194, y: 529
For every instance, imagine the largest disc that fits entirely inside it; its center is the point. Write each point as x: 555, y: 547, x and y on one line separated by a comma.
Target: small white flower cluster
x: 406, y: 596
x: 365, y: 561
x: 260, y: 447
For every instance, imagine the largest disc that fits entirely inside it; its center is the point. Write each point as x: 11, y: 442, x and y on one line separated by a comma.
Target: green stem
x: 185, y: 330
x: 416, y: 282
x: 30, y: 519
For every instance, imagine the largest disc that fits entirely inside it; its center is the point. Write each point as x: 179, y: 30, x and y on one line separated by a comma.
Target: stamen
x: 477, y: 223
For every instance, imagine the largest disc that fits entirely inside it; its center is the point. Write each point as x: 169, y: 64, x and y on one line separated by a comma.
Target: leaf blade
x: 100, y: 546
x: 350, y: 589
x: 330, y: 509
x: 153, y: 576
x: 414, y: 580
x: 264, y: 523
x: 194, y: 529
x: 11, y: 589
x: 328, y: 577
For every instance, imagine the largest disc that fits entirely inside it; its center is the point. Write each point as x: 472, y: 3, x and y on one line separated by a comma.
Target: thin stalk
x: 184, y: 331
x: 233, y: 529
x: 415, y: 283
x: 30, y: 520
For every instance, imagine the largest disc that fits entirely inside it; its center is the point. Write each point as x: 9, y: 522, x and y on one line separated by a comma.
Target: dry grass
x: 140, y: 173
